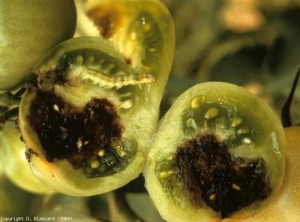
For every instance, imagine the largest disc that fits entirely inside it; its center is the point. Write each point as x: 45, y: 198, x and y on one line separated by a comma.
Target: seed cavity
x: 113, y: 160
x: 211, y: 117
x: 147, y: 28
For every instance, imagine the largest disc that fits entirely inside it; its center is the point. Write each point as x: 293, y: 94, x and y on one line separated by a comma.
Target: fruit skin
x: 169, y: 135
x: 286, y: 206
x: 27, y: 31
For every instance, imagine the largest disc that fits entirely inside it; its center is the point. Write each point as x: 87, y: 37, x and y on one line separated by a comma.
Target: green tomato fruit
x: 27, y: 31
x: 141, y: 30
x: 88, y: 124
x: 219, y: 153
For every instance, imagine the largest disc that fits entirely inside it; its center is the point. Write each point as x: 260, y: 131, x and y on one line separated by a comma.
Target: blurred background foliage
x: 251, y: 43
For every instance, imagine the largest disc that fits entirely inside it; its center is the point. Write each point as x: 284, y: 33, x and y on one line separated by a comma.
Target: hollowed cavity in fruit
x: 212, y: 177
x: 89, y: 137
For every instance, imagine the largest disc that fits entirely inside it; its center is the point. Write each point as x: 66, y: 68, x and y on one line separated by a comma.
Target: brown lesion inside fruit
x: 82, y: 135
x: 212, y: 177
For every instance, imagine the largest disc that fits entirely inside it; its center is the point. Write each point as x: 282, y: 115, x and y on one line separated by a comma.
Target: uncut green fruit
x: 27, y: 31
x: 14, y: 162
x: 219, y: 153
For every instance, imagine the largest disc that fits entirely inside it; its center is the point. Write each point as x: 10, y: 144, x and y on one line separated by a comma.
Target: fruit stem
x: 10, y: 101
x: 285, y: 113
